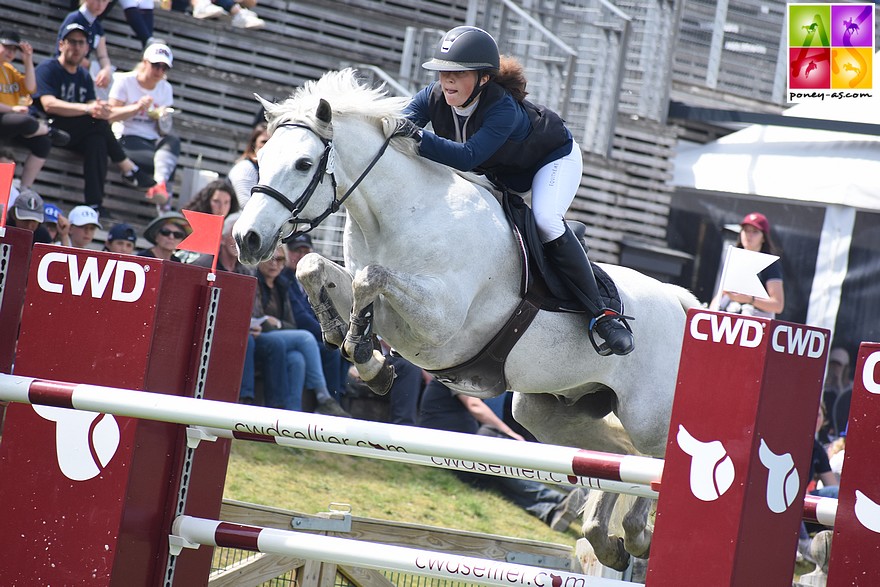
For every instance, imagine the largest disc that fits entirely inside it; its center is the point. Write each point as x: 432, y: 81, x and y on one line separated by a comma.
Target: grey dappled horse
x: 431, y: 265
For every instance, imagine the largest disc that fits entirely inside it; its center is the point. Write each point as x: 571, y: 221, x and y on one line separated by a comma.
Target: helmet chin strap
x: 477, y: 89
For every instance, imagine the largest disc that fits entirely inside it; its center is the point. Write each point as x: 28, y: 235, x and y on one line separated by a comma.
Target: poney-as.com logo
x: 830, y: 51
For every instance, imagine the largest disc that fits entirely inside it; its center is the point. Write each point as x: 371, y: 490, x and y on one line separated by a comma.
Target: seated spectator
x: 441, y: 408
x: 142, y: 100
x: 240, y: 10
x: 121, y: 239
x: 27, y: 213
x: 273, y: 356
x: 88, y: 17
x: 215, y: 198
x: 139, y: 16
x: 245, y: 173
x: 406, y: 389
x: 7, y: 156
x: 165, y: 233
x: 16, y: 123
x: 335, y: 367
x: 54, y: 221
x: 67, y: 95
x: 278, y: 327
x: 84, y: 221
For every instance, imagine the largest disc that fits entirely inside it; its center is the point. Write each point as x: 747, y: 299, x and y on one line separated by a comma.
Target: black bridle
x: 326, y: 166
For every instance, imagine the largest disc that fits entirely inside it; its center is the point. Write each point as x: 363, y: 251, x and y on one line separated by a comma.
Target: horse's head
x: 296, y: 189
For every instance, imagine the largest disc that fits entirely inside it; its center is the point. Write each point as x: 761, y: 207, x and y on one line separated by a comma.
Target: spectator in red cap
x: 754, y: 235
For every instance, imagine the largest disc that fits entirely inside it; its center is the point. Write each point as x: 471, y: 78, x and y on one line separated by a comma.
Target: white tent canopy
x: 793, y: 163
x: 839, y: 169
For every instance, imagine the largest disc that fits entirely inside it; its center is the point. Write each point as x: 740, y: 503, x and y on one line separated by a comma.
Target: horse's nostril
x: 252, y: 240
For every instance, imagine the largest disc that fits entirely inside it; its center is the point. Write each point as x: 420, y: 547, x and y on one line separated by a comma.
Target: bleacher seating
x: 217, y: 69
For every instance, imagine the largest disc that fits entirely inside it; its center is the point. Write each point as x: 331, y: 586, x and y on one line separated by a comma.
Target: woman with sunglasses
x: 142, y: 100
x: 166, y: 232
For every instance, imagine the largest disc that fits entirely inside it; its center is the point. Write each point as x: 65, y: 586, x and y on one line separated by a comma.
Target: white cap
x: 83, y: 216
x: 159, y: 53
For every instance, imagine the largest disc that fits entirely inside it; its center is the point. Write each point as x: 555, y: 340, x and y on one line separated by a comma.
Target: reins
x: 326, y: 165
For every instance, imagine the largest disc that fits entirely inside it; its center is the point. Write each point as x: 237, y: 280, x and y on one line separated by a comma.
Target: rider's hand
x: 407, y: 128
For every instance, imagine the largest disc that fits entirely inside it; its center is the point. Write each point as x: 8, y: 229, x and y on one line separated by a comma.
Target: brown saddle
x: 541, y: 289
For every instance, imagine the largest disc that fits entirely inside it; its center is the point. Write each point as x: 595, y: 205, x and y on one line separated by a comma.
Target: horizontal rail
x: 190, y: 532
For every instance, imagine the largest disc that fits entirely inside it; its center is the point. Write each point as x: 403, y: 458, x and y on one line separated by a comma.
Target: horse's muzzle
x: 252, y: 248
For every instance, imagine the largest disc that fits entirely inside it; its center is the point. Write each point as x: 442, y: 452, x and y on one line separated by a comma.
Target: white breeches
x: 553, y: 189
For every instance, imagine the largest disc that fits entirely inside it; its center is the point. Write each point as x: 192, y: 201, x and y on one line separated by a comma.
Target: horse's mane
x: 348, y: 97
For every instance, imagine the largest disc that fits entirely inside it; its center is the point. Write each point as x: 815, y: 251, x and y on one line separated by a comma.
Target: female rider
x: 482, y: 123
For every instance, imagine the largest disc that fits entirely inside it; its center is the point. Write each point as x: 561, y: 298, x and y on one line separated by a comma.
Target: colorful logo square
x: 830, y: 51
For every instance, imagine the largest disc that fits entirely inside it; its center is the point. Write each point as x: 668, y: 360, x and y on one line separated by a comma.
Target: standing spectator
x: 67, y: 95
x: 215, y: 198
x: 121, y: 239
x: 16, y: 123
x: 441, y: 408
x: 754, y: 235
x: 165, y: 233
x: 240, y: 10
x: 304, y: 371
x: 88, y: 17
x: 84, y: 221
x: 143, y: 100
x: 245, y: 174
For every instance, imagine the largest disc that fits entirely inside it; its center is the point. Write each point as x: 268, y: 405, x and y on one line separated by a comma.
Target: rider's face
x: 457, y: 86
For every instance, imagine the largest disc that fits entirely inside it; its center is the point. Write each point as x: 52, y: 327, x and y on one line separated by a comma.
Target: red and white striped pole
x: 329, y: 432
x: 192, y: 532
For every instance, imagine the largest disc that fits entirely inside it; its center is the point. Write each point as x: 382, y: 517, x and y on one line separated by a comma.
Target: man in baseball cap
x: 83, y: 223
x: 27, y: 213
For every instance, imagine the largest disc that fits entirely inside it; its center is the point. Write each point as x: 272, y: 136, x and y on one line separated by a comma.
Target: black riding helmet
x: 466, y: 48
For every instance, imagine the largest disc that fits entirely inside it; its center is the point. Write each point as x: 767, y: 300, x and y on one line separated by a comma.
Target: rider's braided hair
x: 511, y: 77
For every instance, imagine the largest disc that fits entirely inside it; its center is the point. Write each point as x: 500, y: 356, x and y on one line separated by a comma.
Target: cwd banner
x: 830, y: 52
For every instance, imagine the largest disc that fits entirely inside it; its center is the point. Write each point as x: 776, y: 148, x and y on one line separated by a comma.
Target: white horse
x: 432, y: 265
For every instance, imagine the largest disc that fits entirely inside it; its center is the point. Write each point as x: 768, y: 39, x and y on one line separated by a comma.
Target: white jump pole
x: 329, y: 431
x: 444, y: 462
x: 631, y: 475
x: 191, y: 532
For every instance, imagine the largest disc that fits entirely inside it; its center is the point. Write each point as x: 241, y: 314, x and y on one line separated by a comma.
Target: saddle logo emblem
x: 85, y: 442
x: 867, y: 512
x: 712, y: 470
x: 783, y: 482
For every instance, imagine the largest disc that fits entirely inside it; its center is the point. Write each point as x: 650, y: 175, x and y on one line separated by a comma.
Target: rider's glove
x: 407, y: 128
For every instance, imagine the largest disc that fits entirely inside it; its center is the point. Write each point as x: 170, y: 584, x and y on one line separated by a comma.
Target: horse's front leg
x: 420, y: 306
x: 329, y: 289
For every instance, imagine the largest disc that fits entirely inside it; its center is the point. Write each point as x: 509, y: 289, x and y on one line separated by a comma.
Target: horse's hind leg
x: 329, y: 289
x: 637, y: 535
x: 609, y: 549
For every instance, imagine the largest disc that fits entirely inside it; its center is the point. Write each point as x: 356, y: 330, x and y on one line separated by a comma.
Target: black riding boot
x: 568, y: 256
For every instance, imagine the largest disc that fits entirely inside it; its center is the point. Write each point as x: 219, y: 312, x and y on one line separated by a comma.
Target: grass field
x: 308, y: 481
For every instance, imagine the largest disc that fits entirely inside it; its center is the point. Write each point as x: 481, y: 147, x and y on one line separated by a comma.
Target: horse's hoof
x: 382, y: 382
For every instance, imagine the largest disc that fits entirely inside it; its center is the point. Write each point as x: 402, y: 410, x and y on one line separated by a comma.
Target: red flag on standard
x: 7, y: 171
x: 207, y: 230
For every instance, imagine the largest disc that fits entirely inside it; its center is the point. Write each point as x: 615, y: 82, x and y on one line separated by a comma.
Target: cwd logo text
x: 125, y: 279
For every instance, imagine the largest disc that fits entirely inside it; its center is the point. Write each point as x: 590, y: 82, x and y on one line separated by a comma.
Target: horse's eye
x: 303, y: 164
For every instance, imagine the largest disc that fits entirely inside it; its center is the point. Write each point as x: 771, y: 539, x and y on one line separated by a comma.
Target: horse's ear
x: 324, y: 112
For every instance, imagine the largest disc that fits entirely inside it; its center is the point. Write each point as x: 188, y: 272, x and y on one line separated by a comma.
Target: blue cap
x: 51, y: 212
x: 122, y: 231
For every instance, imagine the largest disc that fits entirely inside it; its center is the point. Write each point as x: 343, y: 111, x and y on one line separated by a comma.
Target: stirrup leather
x: 604, y: 350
